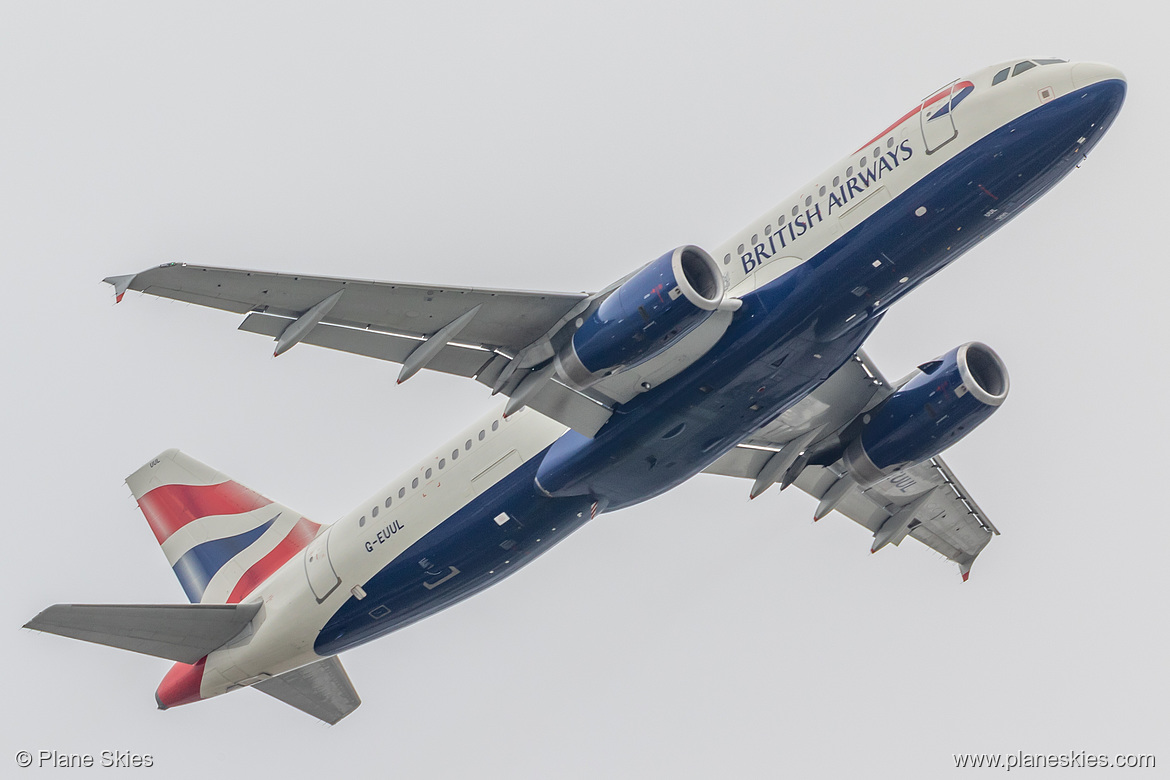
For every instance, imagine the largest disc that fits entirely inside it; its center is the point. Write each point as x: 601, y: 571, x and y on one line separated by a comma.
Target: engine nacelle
x: 648, y: 313
x: 942, y: 404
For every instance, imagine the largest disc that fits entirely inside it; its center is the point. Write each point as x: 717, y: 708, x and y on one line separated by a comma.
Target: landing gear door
x: 938, y: 121
x: 319, y: 569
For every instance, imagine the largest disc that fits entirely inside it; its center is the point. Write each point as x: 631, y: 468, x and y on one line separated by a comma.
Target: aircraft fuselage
x: 815, y: 275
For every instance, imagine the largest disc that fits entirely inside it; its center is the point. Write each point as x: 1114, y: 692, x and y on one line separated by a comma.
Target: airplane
x: 746, y: 362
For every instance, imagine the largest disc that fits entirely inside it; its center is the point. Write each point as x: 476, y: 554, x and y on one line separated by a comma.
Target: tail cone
x: 180, y: 685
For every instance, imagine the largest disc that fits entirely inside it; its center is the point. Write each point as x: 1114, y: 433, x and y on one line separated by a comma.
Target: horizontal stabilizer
x: 321, y: 689
x: 180, y: 632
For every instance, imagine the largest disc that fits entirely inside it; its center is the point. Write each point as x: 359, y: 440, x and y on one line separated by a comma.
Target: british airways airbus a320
x: 745, y: 361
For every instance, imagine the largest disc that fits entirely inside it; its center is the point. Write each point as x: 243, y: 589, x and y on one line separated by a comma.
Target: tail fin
x: 221, y: 538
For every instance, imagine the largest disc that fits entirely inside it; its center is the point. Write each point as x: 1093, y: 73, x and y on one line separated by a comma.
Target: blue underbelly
x: 470, y: 550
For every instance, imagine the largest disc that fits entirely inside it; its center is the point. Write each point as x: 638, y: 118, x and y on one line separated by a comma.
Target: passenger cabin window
x: 1023, y: 66
x: 1001, y: 76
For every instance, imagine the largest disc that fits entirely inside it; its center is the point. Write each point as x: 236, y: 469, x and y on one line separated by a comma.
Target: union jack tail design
x: 221, y: 538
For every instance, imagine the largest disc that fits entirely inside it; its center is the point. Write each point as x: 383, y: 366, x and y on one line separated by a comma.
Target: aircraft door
x: 323, y: 578
x: 937, y: 120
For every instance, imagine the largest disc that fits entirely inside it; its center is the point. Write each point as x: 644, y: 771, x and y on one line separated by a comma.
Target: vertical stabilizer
x: 221, y: 538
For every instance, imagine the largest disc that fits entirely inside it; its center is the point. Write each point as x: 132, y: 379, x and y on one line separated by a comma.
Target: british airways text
x: 837, y: 200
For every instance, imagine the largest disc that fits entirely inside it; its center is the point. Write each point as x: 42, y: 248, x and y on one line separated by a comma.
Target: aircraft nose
x: 1085, y: 74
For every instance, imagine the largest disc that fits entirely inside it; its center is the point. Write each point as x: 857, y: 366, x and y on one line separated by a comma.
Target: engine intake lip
x: 983, y: 373
x: 698, y: 277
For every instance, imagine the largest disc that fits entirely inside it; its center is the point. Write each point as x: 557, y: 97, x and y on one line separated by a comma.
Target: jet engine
x: 940, y: 405
x: 648, y: 313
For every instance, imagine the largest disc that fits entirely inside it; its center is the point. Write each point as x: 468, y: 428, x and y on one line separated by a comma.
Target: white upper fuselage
x: 987, y: 109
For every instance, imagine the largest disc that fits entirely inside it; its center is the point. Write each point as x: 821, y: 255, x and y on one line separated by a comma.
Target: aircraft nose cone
x: 1086, y: 74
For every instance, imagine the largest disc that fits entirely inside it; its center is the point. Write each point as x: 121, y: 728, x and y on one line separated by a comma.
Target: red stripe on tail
x: 170, y: 507
x: 298, y: 539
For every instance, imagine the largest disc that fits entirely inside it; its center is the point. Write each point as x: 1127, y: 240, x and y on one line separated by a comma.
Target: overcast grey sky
x: 558, y: 146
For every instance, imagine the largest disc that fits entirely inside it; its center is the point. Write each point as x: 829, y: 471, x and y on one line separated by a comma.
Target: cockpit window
x: 1020, y: 67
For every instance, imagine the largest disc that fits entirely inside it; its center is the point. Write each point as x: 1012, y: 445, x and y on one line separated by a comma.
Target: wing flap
x: 452, y: 359
x: 567, y: 406
x: 859, y: 506
x: 321, y: 689
x: 946, y: 522
x: 180, y: 632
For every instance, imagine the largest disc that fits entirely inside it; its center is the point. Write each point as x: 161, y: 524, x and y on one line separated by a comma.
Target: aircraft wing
x: 925, y: 501
x: 491, y: 335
